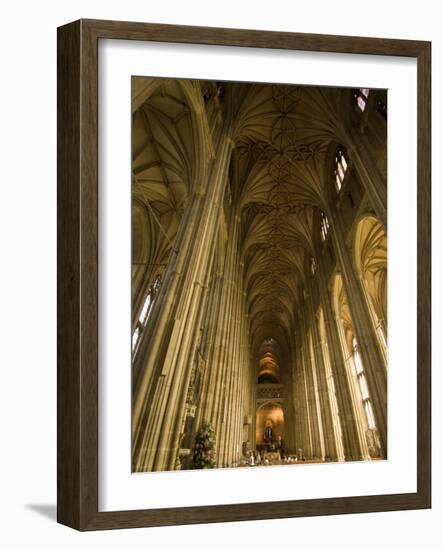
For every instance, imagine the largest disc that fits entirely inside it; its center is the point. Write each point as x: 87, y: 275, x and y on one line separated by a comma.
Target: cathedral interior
x: 259, y: 273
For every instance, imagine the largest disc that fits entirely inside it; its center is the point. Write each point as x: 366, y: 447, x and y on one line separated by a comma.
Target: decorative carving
x: 275, y: 167
x: 192, y: 389
x: 283, y: 133
x: 269, y: 392
x: 303, y: 153
x: 190, y: 410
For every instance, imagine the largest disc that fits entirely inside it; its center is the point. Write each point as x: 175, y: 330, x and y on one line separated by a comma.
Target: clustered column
x: 372, y: 356
x: 330, y: 446
x: 351, y: 435
x: 162, y: 386
x: 228, y: 384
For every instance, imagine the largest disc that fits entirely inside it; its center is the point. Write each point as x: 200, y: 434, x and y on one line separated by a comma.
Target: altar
x: 272, y: 457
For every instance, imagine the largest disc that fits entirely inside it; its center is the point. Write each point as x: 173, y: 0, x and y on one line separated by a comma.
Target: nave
x: 259, y: 274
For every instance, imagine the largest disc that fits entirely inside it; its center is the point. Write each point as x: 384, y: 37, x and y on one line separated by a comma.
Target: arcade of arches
x: 259, y: 272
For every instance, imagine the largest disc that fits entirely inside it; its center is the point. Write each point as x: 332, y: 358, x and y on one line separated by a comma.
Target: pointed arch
x: 370, y: 259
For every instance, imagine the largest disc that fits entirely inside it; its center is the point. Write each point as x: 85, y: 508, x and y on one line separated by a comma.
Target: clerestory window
x: 361, y: 97
x: 325, y: 226
x: 340, y: 168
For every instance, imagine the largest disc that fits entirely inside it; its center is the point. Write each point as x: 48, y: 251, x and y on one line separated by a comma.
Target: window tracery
x: 325, y: 226
x: 340, y: 168
x: 360, y: 96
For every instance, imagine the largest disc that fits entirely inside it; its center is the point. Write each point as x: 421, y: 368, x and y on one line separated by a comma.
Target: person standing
x: 280, y: 446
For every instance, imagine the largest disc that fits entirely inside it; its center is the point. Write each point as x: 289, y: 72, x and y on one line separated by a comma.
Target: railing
x: 270, y: 391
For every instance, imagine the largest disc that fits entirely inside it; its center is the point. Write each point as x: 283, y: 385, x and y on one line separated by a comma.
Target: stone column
x: 213, y: 408
x: 181, y: 406
x: 210, y: 326
x: 207, y: 237
x: 369, y: 348
x: 208, y: 382
x: 331, y: 384
x: 351, y: 436
x: 309, y: 441
x: 303, y: 437
x: 238, y: 412
x: 296, y: 427
x: 229, y: 360
x: 330, y: 449
x: 174, y: 323
x: 290, y: 413
x: 315, y: 419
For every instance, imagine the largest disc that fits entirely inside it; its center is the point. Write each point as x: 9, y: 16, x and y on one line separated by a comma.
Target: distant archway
x: 269, y: 415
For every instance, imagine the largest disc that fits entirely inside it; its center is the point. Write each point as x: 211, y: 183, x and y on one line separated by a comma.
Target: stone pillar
x: 311, y: 445
x: 182, y: 405
x: 315, y: 419
x: 229, y: 358
x: 289, y: 402
x: 303, y: 438
x: 211, y: 316
x: 213, y: 407
x: 369, y: 348
x: 330, y: 448
x: 331, y: 385
x: 169, y: 363
x: 351, y: 436
x: 296, y: 427
x: 238, y: 409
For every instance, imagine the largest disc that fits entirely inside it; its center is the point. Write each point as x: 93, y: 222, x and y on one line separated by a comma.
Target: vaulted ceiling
x: 163, y: 152
x: 279, y: 177
x: 279, y: 171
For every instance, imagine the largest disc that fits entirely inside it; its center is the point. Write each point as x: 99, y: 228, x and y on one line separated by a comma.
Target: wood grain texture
x: 77, y: 225
x: 424, y: 274
x: 68, y: 276
x: 252, y: 38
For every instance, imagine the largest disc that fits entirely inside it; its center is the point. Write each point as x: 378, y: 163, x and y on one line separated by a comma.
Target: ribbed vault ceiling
x: 163, y: 147
x: 283, y: 137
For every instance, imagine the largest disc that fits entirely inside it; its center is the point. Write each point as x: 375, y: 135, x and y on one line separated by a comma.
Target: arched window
x: 313, y: 266
x: 361, y: 97
x: 145, y: 312
x: 362, y: 381
x: 340, y: 168
x: 325, y: 226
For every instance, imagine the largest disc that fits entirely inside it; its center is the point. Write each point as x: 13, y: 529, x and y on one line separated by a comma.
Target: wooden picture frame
x: 78, y: 274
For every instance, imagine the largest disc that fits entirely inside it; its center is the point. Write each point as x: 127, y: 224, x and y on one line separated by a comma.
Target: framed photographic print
x: 243, y: 275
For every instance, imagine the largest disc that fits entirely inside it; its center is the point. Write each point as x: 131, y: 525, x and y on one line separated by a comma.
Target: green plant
x: 203, y: 455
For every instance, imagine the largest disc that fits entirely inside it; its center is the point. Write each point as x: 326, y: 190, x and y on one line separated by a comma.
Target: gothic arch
x: 170, y: 154
x: 270, y: 414
x: 348, y: 338
x: 248, y: 268
x: 370, y: 259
